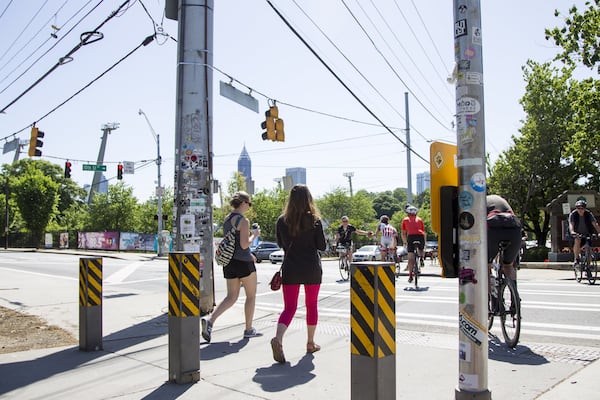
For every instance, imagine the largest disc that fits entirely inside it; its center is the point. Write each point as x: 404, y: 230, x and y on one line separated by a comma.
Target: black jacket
x: 301, y: 263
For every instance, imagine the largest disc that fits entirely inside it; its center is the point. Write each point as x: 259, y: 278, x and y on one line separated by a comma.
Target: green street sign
x: 92, y: 167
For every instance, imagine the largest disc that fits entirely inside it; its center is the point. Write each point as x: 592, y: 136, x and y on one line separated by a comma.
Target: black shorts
x: 496, y: 235
x: 238, y: 269
x: 411, y: 239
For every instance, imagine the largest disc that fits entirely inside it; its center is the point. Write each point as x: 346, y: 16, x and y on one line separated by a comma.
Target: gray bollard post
x: 373, y: 330
x: 90, y: 303
x: 184, y: 317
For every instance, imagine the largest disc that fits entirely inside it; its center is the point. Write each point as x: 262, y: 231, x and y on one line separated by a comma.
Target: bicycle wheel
x: 592, y: 271
x: 416, y: 275
x: 490, y: 312
x: 344, y: 268
x: 510, y: 319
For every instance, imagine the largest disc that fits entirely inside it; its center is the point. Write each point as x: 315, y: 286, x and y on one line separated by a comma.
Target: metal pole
x: 472, y: 227
x: 6, y: 213
x: 193, y: 226
x: 408, y: 167
x: 90, y: 303
x: 349, y: 175
x: 106, y: 130
x: 159, y: 190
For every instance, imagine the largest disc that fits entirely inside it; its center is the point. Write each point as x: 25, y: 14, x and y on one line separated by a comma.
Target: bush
x: 535, y: 254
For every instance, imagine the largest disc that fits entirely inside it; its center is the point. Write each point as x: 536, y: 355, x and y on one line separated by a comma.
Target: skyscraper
x: 298, y: 175
x: 423, y: 182
x: 245, y: 168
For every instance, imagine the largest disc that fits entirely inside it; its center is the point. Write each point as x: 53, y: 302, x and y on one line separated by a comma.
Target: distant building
x: 245, y: 168
x: 423, y: 182
x: 298, y: 175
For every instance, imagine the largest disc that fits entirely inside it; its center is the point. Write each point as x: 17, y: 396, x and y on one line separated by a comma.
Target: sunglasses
x: 249, y: 203
x: 580, y: 208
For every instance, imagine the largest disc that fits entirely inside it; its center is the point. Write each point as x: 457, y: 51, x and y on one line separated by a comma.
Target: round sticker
x: 465, y: 200
x: 466, y: 220
x: 478, y: 182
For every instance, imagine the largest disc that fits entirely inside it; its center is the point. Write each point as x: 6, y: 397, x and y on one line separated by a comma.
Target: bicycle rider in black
x: 343, y: 236
x: 503, y: 225
x: 581, y: 223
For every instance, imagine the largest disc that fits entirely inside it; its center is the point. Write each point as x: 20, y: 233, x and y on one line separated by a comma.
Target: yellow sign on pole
x: 444, y: 172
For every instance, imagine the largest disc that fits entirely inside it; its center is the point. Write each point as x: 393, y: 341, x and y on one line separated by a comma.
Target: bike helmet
x: 411, y: 210
x: 581, y: 203
x: 384, y: 219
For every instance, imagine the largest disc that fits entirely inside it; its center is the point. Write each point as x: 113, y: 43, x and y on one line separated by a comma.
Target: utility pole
x: 159, y: 189
x: 408, y: 167
x: 106, y: 130
x: 349, y: 175
x: 193, y: 226
x: 472, y: 210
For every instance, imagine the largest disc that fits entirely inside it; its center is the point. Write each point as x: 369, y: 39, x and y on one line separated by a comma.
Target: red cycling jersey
x: 413, y: 225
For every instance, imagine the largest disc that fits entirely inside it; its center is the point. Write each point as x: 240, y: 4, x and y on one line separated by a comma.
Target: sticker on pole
x: 467, y: 105
x: 471, y: 329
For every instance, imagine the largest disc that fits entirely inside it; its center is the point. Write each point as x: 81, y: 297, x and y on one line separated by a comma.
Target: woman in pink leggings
x: 300, y: 234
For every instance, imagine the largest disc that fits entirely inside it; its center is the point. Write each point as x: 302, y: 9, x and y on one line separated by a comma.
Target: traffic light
x: 120, y: 171
x: 67, y: 169
x: 273, y: 125
x: 35, y: 142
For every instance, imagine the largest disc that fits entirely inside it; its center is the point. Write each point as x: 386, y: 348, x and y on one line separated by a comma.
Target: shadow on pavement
x: 279, y: 377
x: 22, y: 373
x: 498, y: 351
x: 216, y: 350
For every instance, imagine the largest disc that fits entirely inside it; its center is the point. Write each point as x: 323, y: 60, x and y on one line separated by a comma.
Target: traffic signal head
x: 35, y: 142
x: 67, y: 169
x: 120, y: 171
x: 273, y: 125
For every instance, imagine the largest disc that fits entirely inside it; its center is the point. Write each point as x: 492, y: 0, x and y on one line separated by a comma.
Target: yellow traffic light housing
x: 35, y: 142
x: 273, y: 125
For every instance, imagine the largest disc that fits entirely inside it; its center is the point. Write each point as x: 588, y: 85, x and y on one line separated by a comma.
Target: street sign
x: 243, y: 99
x: 128, y: 167
x: 92, y: 167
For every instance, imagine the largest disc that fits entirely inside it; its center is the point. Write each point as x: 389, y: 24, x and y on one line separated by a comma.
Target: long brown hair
x: 300, y: 205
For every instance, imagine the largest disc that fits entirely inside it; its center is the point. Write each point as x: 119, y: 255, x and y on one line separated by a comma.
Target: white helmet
x: 411, y: 210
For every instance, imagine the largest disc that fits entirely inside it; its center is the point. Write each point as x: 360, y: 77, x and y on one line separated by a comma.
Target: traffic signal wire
x: 343, y: 83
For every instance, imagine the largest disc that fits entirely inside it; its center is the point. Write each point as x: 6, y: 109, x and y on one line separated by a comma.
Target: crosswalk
x: 563, y: 311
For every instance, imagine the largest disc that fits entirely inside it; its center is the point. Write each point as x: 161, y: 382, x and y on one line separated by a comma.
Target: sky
x: 380, y: 49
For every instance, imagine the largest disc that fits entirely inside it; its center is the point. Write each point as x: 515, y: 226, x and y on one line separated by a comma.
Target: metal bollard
x: 90, y: 303
x: 373, y: 330
x: 184, y: 317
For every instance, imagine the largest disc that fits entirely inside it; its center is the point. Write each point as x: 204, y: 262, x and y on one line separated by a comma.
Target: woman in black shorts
x: 240, y: 270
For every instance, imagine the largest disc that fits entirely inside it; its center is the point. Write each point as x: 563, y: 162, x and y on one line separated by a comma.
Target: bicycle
x: 344, y: 264
x: 504, y: 300
x: 417, y: 264
x: 588, y: 263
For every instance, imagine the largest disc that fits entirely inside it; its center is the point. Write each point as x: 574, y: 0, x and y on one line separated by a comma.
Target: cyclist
x: 388, y: 236
x: 503, y: 225
x: 413, y: 230
x: 343, y: 236
x: 581, y: 223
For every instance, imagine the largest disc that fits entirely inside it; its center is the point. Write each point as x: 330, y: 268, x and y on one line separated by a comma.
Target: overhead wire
x: 85, y: 37
x: 408, y: 55
x: 392, y: 68
x: 24, y: 29
x: 55, y: 44
x: 6, y: 8
x: 343, y: 83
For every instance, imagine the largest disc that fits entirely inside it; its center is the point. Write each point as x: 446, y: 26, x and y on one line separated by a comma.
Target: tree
x: 148, y: 213
x: 36, y: 195
x: 386, y: 203
x: 580, y: 37
x: 116, y: 210
x: 267, y: 206
x: 537, y: 168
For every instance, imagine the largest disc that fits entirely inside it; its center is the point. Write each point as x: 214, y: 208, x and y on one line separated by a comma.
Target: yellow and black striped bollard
x: 373, y: 330
x: 90, y: 303
x: 184, y: 317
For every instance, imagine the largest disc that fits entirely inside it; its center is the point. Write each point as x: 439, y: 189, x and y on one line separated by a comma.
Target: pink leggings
x: 290, y: 300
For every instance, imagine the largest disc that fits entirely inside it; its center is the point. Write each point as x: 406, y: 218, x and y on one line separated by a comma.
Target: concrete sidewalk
x: 134, y: 365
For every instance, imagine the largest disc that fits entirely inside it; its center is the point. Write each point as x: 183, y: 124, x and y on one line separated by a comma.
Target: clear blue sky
x: 253, y: 45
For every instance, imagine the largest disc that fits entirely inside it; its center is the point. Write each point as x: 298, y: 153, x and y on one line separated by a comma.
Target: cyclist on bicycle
x: 503, y: 225
x: 581, y: 223
x: 388, y: 236
x: 343, y: 236
x: 413, y: 230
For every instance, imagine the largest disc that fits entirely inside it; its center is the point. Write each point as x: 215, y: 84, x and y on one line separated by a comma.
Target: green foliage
x: 580, y: 37
x: 116, y: 210
x: 148, y: 210
x: 267, y: 206
x: 535, y: 254
x: 36, y: 195
x: 386, y: 204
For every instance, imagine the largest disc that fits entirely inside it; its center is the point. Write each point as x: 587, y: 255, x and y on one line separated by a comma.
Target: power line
x: 342, y: 82
x: 86, y: 38
x: 24, y: 29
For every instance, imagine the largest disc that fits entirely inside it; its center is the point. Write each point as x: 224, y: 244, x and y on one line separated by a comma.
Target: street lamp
x: 349, y: 175
x: 159, y: 191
